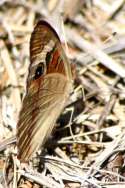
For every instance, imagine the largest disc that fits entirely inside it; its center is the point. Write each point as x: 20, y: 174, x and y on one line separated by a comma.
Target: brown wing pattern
x: 48, y: 86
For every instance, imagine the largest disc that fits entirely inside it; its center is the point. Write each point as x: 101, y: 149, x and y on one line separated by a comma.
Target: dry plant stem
x: 61, y: 154
x: 114, y: 147
x: 68, y: 171
x: 118, y: 46
x: 89, y: 86
x: 94, y: 71
x: 75, y: 6
x: 92, y: 132
x: 94, y: 51
x: 40, y: 179
x: 110, y: 173
x: 11, y: 72
x: 115, y: 8
x: 36, y: 9
x: 15, y: 173
x: 107, y: 109
x: 113, y: 184
x: 4, y: 144
x: 98, y: 144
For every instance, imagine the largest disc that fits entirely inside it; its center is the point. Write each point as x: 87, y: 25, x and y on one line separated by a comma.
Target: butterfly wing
x: 49, y: 84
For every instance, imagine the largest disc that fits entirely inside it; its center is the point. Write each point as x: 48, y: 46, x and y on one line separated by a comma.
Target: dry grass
x: 90, y: 151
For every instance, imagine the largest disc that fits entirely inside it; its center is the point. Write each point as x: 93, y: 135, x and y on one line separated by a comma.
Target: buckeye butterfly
x: 49, y: 84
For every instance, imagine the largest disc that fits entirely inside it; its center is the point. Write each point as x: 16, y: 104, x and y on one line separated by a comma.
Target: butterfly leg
x: 81, y: 89
x: 71, y: 109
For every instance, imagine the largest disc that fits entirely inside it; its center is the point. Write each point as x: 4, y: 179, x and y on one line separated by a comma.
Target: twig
x: 12, y: 74
x: 95, y: 52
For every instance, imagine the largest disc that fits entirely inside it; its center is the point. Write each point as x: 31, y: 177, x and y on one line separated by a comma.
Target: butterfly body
x: 49, y: 84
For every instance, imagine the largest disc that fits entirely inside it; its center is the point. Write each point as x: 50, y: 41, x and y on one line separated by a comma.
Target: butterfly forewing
x: 49, y: 84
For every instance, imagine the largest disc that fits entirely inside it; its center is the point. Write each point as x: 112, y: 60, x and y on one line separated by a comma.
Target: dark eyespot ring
x: 39, y: 70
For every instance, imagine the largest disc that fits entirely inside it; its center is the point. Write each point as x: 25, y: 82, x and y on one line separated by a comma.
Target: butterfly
x: 49, y: 84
